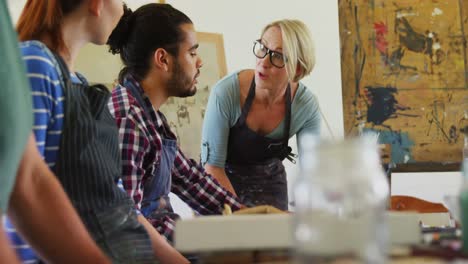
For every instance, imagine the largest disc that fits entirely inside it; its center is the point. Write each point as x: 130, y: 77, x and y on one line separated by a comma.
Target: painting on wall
x: 185, y: 115
x: 404, y: 75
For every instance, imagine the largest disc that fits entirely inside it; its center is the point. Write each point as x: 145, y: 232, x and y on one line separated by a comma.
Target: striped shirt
x: 48, y: 107
x: 140, y: 144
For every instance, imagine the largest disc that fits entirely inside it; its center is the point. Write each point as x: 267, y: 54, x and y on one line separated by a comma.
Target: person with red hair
x: 75, y: 133
x: 27, y: 186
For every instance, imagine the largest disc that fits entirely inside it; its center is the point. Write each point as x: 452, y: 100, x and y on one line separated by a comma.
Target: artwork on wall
x: 404, y: 75
x: 185, y: 115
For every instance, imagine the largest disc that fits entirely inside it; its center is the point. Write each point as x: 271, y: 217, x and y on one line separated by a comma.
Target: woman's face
x: 267, y: 75
x: 111, y: 12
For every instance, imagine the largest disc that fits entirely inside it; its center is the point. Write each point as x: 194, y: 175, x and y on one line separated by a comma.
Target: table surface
x: 284, y: 257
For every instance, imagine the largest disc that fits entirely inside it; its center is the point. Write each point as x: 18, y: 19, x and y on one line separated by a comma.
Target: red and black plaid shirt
x: 140, y: 143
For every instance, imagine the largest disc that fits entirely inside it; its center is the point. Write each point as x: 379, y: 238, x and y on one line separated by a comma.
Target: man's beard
x: 180, y: 85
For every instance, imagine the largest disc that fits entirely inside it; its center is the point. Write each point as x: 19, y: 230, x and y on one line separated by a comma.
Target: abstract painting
x: 404, y: 75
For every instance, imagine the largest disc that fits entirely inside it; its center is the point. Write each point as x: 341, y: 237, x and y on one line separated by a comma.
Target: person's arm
x: 218, y: 119
x: 43, y: 214
x: 47, y: 100
x: 7, y: 255
x: 133, y: 144
x: 199, y: 190
x: 165, y: 253
x: 307, y: 116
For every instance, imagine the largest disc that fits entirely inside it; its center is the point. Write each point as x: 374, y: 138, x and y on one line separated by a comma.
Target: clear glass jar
x: 340, y: 197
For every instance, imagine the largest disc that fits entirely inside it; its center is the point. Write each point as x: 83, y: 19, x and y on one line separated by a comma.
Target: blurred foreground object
x: 340, y: 184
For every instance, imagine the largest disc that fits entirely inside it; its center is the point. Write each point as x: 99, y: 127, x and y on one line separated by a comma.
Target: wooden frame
x: 218, y: 41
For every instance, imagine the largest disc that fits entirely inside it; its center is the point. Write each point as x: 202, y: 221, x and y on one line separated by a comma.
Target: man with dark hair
x: 158, y: 46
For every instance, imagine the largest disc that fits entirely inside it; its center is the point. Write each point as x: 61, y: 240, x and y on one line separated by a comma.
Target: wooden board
x: 404, y: 72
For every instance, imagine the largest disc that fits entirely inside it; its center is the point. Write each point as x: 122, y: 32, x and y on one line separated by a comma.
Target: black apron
x: 156, y: 203
x: 88, y: 167
x: 254, y: 162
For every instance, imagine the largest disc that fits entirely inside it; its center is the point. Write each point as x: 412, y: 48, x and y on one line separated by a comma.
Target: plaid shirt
x: 140, y: 143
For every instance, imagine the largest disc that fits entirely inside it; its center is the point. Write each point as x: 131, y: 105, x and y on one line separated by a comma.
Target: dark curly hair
x: 138, y: 34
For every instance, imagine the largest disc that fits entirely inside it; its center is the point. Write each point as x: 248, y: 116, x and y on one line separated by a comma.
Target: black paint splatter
x: 382, y: 104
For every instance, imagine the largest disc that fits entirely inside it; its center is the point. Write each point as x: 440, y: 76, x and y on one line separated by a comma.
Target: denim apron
x: 156, y: 203
x: 254, y: 162
x: 88, y: 167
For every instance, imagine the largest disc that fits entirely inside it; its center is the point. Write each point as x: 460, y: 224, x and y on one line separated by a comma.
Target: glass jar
x: 340, y: 197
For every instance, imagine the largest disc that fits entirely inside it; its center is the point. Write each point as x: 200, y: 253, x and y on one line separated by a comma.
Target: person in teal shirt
x: 28, y: 189
x: 252, y: 113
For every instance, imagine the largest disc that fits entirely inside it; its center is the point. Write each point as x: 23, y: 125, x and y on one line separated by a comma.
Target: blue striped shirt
x: 48, y: 107
x: 48, y: 98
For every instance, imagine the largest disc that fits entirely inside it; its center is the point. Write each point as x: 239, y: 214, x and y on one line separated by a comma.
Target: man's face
x: 186, y: 67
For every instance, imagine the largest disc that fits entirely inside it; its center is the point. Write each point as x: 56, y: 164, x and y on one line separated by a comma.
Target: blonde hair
x: 298, y: 47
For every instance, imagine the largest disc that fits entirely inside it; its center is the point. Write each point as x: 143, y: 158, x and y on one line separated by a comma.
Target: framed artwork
x: 404, y: 75
x: 185, y: 115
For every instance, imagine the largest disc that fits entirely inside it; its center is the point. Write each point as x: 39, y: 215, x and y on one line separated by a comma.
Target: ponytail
x: 138, y: 34
x: 118, y: 40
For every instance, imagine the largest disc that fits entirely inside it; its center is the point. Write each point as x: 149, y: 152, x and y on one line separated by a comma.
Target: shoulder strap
x: 81, y: 78
x: 147, y: 111
x: 139, y: 98
x: 248, y: 102
x: 66, y: 73
x: 63, y: 69
x: 287, y: 150
x: 287, y: 120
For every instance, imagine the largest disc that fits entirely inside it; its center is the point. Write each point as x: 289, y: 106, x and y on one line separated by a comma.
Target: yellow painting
x: 404, y: 74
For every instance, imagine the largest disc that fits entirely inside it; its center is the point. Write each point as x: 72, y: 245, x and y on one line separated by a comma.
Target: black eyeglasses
x: 276, y: 58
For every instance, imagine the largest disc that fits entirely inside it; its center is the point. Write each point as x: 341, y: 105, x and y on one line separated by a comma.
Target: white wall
x: 241, y: 21
x: 15, y: 7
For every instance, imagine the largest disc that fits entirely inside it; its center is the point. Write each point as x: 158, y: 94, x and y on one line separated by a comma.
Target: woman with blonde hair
x: 251, y: 115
